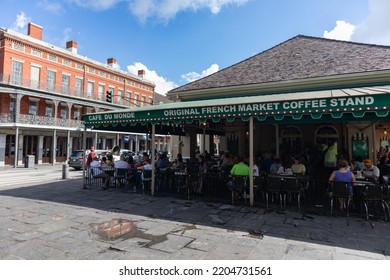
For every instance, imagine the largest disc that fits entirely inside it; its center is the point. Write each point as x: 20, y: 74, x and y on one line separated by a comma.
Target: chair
x: 372, y: 195
x: 120, y: 177
x: 292, y: 187
x: 258, y: 185
x: 192, y: 183
x: 239, y: 185
x: 146, y: 179
x: 274, y: 185
x: 340, y: 190
x: 95, y: 177
x: 161, y: 178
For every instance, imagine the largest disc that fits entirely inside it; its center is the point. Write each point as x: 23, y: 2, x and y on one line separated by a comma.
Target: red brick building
x: 44, y: 91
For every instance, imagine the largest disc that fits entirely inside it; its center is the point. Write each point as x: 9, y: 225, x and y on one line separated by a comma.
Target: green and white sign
x: 201, y: 110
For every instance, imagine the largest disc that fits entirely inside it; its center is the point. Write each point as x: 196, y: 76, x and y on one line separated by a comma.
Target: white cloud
x: 54, y: 8
x: 375, y: 29
x: 163, y: 85
x: 163, y: 10
x: 167, y: 9
x: 21, y: 21
x: 193, y: 76
x: 96, y: 4
x: 342, y: 31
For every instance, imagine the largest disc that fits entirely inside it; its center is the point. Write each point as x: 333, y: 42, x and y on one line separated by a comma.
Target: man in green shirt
x: 239, y: 169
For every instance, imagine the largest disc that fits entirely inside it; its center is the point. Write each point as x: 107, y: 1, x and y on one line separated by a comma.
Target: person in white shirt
x: 369, y: 170
x: 99, y: 173
x: 147, y: 166
x: 121, y: 163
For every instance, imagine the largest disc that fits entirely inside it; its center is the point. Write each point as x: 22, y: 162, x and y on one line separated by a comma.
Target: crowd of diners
x: 320, y: 161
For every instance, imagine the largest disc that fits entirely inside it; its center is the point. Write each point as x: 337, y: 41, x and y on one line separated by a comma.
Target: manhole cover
x: 113, y: 229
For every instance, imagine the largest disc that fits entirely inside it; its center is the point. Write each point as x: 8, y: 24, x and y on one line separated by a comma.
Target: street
x: 44, y: 217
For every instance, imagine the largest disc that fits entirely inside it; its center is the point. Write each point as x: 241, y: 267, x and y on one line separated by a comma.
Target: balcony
x: 40, y: 121
x: 6, y: 79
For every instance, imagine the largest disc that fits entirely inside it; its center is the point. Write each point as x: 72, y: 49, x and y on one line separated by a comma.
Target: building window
x: 49, y: 111
x: 66, y: 62
x: 78, y: 86
x: 33, y: 108
x: 79, y: 66
x: 120, y: 100
x: 90, y: 87
x: 76, y: 114
x: 64, y: 113
x: 35, y: 76
x: 36, y: 52
x: 16, y: 74
x: 142, y: 100
x: 102, y: 73
x: 18, y: 46
x: 52, y: 57
x: 150, y: 101
x: 91, y: 70
x: 128, y: 97
x: 51, y: 80
x: 100, y: 92
x: 65, y: 84
x: 136, y: 96
x: 12, y: 108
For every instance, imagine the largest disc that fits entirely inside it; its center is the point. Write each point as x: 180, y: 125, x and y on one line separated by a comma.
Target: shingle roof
x: 300, y: 57
x: 159, y: 98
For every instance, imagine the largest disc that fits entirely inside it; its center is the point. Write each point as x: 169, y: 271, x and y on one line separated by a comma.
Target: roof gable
x: 300, y: 57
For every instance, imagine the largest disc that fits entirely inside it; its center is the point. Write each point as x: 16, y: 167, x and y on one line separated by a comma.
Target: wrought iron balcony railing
x: 40, y: 120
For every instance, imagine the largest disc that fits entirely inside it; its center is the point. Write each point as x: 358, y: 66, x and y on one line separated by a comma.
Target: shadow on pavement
x: 257, y: 222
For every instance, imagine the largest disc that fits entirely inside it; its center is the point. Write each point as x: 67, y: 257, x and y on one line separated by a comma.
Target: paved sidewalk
x: 60, y: 220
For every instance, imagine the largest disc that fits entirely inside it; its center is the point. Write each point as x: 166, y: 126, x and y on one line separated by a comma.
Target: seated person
x: 298, y: 167
x: 255, y: 169
x: 192, y: 166
x: 99, y: 173
x: 162, y: 162
x: 227, y: 163
x: 239, y: 169
x: 342, y: 175
x: 358, y: 163
x: 146, y: 166
x: 384, y: 168
x: 178, y: 164
x: 370, y: 171
x: 121, y: 164
x: 275, y: 166
x: 145, y: 158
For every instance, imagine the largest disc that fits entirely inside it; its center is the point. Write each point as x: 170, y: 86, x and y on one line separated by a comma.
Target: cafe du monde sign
x: 277, y: 107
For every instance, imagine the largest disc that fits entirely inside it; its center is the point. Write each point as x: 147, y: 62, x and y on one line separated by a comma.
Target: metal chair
x: 274, y: 186
x: 292, y: 187
x: 120, y: 177
x: 372, y: 195
x: 192, y: 183
x: 239, y: 186
x: 146, y: 179
x: 161, y: 178
x: 340, y: 190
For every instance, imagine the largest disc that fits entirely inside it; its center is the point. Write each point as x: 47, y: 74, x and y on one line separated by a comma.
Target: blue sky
x: 179, y: 41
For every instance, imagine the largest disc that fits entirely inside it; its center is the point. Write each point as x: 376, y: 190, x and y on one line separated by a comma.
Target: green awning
x: 315, y: 104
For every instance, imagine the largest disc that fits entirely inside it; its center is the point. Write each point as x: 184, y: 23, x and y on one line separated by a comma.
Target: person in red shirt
x: 91, y: 155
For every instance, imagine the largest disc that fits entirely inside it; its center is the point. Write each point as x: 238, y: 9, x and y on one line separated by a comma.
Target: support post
x: 251, y: 183
x: 153, y: 159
